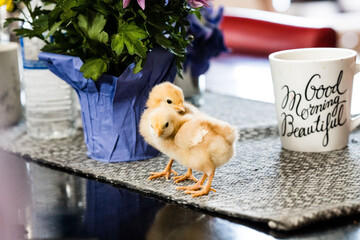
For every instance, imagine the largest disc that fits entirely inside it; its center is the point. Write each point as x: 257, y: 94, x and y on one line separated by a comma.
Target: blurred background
x: 254, y: 28
x: 265, y: 26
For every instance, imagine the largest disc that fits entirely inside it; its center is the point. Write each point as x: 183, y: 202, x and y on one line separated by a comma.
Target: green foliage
x: 93, y: 68
x: 132, y: 36
x: 106, y: 36
x: 93, y: 28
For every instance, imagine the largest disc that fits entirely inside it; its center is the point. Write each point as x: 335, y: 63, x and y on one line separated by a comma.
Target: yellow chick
x: 199, y: 142
x: 167, y: 94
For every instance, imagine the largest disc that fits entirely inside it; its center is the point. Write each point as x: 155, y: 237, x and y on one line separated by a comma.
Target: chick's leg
x: 188, y: 175
x: 167, y: 171
x: 196, y: 186
x: 205, y: 190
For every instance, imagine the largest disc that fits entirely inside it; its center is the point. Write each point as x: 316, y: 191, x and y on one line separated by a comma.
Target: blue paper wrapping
x: 112, y: 106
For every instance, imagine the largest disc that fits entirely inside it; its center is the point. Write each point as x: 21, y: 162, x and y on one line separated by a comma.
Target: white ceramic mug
x: 10, y: 105
x: 313, y: 88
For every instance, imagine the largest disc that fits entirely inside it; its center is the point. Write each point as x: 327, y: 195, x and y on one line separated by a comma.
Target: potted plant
x: 112, y: 53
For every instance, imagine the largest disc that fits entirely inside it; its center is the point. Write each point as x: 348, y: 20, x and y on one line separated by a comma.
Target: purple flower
x: 198, y: 3
x: 140, y: 2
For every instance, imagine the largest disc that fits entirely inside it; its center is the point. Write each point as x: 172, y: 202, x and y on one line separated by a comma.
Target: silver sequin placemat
x: 287, y: 190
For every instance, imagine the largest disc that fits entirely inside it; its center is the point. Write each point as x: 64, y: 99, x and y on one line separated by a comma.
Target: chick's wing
x: 190, y: 134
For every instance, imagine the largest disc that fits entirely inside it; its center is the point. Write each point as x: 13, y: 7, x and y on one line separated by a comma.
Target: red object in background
x: 258, y: 37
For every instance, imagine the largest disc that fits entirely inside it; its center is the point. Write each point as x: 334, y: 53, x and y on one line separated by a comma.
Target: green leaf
x: 23, y: 32
x: 83, y: 23
x: 141, y: 13
x: 11, y: 20
x: 94, y: 29
x: 65, y: 16
x: 163, y: 41
x: 67, y: 7
x: 197, y: 14
x: 133, y: 31
x: 54, y: 28
x: 93, y: 68
x: 177, y: 53
x: 132, y: 36
x: 117, y: 44
x: 138, y: 67
x: 40, y: 24
x: 135, y: 47
x: 159, y: 25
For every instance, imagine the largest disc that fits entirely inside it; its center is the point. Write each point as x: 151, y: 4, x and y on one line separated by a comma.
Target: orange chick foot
x: 201, y: 192
x: 189, y: 188
x: 193, y: 188
x: 167, y: 171
x: 198, y: 185
x: 164, y: 173
x: 188, y: 175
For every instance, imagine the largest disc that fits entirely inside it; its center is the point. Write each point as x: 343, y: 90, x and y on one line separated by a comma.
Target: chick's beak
x: 180, y: 107
x: 158, y: 132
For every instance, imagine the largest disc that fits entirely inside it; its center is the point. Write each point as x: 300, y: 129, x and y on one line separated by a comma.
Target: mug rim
x: 275, y: 56
x: 8, y: 46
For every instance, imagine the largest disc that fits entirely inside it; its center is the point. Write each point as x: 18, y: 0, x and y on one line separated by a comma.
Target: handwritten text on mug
x: 302, y: 104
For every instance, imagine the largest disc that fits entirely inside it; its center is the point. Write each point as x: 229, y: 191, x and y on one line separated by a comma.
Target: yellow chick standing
x: 9, y: 5
x: 196, y: 140
x: 162, y: 95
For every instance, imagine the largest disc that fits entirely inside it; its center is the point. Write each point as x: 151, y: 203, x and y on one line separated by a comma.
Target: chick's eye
x: 167, y: 124
x: 169, y: 101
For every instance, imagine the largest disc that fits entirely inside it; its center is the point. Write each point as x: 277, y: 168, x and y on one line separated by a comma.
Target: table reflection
x: 113, y: 213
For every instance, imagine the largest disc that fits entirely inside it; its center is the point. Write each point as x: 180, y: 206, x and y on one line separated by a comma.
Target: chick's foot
x: 198, y: 185
x: 194, y: 189
x: 201, y: 192
x: 204, y: 190
x: 190, y: 188
x: 167, y: 171
x: 188, y: 175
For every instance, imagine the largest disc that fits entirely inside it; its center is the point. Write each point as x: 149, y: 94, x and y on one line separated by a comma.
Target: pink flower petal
x: 198, y: 3
x: 141, y: 4
x: 206, y: 3
x: 125, y: 3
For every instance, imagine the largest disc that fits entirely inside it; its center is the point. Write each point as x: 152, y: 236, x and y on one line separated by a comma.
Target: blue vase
x: 111, y: 107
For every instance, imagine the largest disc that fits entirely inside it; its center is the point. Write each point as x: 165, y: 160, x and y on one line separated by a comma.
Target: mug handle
x: 355, y: 122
